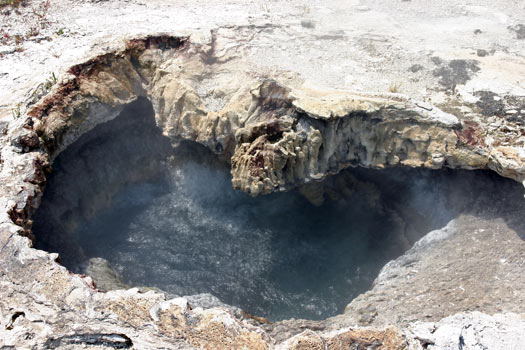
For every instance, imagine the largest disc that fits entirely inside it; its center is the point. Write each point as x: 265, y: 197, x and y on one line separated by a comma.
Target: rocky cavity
x: 121, y: 197
x: 274, y: 133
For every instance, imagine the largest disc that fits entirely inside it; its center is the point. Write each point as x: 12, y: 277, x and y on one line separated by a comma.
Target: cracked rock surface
x: 288, y: 93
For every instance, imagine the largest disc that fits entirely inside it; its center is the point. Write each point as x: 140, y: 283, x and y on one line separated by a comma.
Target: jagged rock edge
x: 24, y: 143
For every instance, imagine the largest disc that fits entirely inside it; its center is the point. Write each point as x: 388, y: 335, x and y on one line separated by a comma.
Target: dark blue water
x: 275, y: 256
x: 188, y: 232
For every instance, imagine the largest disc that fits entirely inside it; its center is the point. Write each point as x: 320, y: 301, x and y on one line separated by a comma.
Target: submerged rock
x: 103, y: 275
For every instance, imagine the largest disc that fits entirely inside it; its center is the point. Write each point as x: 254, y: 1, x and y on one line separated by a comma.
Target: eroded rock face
x: 320, y: 134
x: 93, y: 170
x: 277, y: 136
x: 481, y: 278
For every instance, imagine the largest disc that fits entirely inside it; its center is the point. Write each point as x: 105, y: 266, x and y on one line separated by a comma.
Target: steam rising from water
x: 182, y: 228
x: 276, y: 256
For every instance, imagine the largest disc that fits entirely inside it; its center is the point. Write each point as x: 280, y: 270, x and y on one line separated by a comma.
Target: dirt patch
x: 512, y: 108
x: 519, y: 29
x: 454, y: 72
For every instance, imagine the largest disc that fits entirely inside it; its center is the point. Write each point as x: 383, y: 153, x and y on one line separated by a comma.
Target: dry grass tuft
x: 394, y: 87
x: 13, y: 3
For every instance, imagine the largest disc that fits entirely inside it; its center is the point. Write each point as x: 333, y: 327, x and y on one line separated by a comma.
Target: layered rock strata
x: 277, y: 136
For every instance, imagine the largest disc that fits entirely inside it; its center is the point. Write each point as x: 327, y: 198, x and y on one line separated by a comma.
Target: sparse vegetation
x: 13, y: 3
x: 265, y: 8
x: 16, y: 111
x: 41, y: 13
x: 306, y: 10
x: 45, y: 86
x: 35, y: 16
x: 39, y: 91
x: 394, y: 87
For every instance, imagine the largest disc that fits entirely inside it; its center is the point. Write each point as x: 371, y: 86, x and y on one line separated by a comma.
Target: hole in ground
x: 128, y: 209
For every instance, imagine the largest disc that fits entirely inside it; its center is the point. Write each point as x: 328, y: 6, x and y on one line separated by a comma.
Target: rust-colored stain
x: 470, y: 134
x: 89, y: 68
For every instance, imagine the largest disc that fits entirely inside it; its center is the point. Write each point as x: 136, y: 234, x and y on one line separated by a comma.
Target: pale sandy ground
x: 358, y: 45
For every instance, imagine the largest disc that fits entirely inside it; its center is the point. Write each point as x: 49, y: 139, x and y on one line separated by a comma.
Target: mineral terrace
x: 289, y: 94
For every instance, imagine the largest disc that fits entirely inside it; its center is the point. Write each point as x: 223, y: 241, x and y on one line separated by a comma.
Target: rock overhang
x: 282, y: 119
x: 101, y: 86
